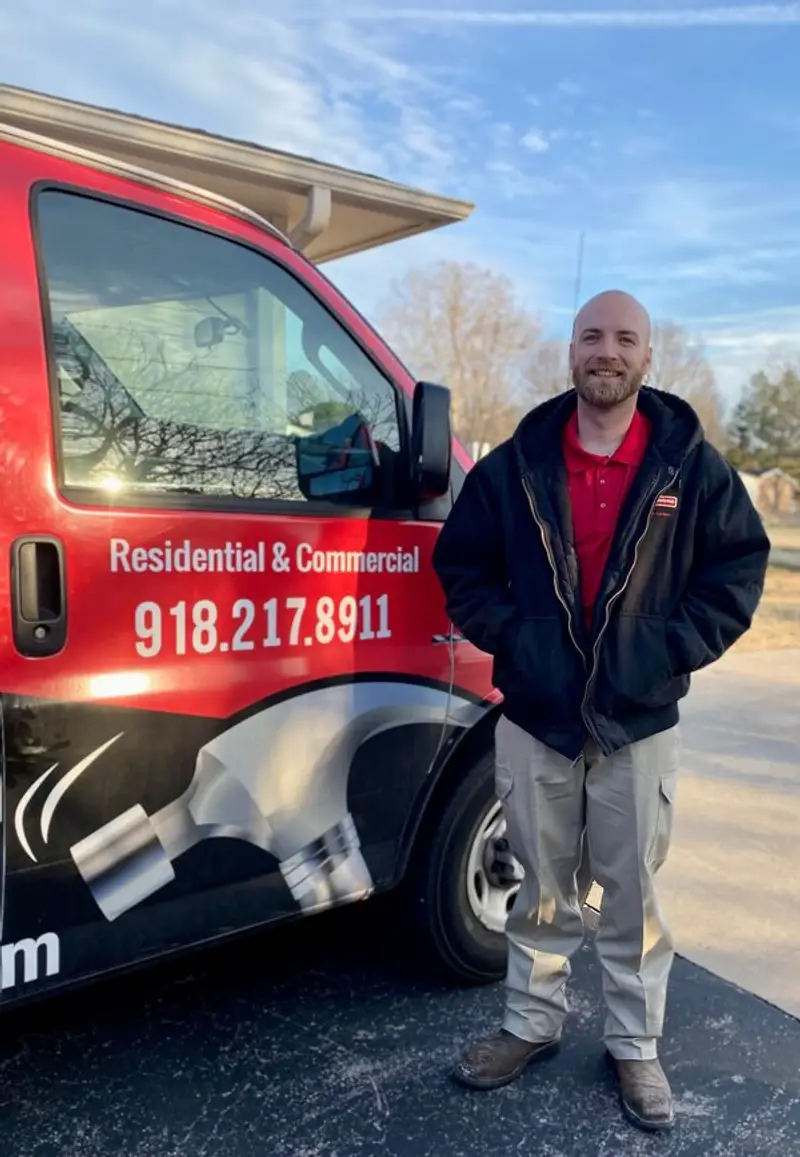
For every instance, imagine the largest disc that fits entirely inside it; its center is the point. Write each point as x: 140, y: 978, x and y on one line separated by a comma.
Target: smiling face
x: 610, y: 352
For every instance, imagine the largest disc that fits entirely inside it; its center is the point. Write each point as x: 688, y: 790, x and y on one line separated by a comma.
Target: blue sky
x: 668, y: 132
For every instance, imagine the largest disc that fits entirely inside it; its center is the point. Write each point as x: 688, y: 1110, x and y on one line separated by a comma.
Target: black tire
x: 463, y: 951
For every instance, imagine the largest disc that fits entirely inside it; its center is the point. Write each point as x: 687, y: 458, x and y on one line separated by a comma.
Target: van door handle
x: 38, y: 595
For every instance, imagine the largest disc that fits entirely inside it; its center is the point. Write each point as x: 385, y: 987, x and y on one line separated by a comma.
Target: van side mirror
x: 431, y: 441
x: 340, y: 464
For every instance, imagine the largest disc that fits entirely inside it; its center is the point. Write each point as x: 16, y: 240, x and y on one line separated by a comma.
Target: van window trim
x: 93, y: 498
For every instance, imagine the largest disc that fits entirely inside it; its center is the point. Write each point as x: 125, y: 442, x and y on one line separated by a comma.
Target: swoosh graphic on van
x: 19, y: 817
x: 63, y: 785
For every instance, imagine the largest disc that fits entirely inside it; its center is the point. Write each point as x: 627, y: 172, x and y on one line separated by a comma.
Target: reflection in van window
x: 189, y: 363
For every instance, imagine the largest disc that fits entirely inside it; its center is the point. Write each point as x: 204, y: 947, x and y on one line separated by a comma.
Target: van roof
x: 326, y: 210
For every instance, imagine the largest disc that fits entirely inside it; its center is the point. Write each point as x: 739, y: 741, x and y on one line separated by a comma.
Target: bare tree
x: 679, y: 360
x: 548, y: 371
x: 460, y: 324
x: 681, y: 366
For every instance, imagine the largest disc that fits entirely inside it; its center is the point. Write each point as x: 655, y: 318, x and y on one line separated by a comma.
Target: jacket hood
x: 676, y: 428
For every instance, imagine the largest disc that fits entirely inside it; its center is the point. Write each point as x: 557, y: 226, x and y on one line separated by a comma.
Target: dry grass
x: 777, y: 624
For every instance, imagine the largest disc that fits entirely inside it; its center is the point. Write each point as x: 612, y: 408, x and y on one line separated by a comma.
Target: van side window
x: 190, y: 364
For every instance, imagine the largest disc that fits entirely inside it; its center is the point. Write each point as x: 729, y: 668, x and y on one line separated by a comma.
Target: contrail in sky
x: 726, y: 16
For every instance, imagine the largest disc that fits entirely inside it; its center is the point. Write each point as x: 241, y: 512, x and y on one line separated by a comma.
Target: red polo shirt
x: 598, y: 487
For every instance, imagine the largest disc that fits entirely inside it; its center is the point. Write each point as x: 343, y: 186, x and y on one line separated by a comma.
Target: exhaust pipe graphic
x: 277, y: 780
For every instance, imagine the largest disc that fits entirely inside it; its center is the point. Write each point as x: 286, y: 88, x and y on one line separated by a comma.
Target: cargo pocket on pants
x: 662, y: 837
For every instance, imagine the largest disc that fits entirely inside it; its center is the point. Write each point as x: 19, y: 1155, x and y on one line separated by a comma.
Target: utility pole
x: 578, y: 281
x: 578, y: 275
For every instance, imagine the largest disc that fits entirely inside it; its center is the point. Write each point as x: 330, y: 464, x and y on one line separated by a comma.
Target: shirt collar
x: 630, y: 452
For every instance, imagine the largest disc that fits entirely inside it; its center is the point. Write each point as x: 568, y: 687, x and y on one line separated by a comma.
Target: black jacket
x: 682, y: 582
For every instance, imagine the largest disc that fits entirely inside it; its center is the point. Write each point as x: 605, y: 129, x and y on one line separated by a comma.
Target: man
x: 601, y: 556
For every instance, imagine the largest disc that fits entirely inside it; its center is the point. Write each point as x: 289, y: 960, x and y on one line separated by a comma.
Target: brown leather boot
x: 645, y: 1094
x: 499, y: 1060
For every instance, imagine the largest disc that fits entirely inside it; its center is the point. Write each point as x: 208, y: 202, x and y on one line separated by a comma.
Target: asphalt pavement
x: 316, y: 1041
x: 731, y: 885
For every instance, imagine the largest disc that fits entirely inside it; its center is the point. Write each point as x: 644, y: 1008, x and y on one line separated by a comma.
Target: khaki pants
x: 620, y: 809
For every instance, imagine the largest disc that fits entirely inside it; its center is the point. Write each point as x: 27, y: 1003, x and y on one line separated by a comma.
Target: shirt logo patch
x: 667, y: 502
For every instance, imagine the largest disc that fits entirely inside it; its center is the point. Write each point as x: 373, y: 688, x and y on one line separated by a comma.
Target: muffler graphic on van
x: 277, y: 779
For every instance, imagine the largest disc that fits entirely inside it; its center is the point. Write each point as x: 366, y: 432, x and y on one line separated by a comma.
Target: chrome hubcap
x: 491, y: 892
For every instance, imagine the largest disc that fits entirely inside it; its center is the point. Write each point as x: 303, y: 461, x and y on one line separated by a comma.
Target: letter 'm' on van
x: 29, y: 954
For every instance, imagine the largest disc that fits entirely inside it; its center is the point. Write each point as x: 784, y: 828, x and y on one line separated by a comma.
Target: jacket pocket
x: 635, y: 672
x: 540, y: 666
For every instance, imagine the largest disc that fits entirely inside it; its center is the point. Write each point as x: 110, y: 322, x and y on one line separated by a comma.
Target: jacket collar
x: 675, y: 429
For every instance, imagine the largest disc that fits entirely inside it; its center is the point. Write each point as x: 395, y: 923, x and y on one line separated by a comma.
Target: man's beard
x: 603, y: 393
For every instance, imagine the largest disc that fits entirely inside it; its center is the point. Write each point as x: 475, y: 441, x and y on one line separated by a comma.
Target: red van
x: 229, y: 691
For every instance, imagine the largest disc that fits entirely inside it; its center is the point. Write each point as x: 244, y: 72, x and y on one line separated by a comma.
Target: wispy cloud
x: 509, y: 182
x: 535, y: 141
x: 729, y: 15
x: 741, y: 344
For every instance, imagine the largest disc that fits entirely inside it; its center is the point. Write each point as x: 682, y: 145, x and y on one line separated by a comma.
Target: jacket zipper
x: 610, y: 605
x: 553, y: 569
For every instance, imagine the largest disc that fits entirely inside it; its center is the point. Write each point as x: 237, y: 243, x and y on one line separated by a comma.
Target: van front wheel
x: 463, y: 894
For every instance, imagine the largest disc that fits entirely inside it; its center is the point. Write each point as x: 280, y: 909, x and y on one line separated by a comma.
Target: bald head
x: 617, y: 306
x: 610, y: 351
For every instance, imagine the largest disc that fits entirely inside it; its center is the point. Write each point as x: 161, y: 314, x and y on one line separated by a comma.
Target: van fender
x: 469, y: 739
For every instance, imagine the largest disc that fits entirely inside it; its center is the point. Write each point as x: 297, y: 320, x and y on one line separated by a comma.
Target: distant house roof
x: 769, y: 472
x: 328, y: 211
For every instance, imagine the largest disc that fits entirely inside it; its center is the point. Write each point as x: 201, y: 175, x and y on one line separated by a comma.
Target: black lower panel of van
x: 124, y: 830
